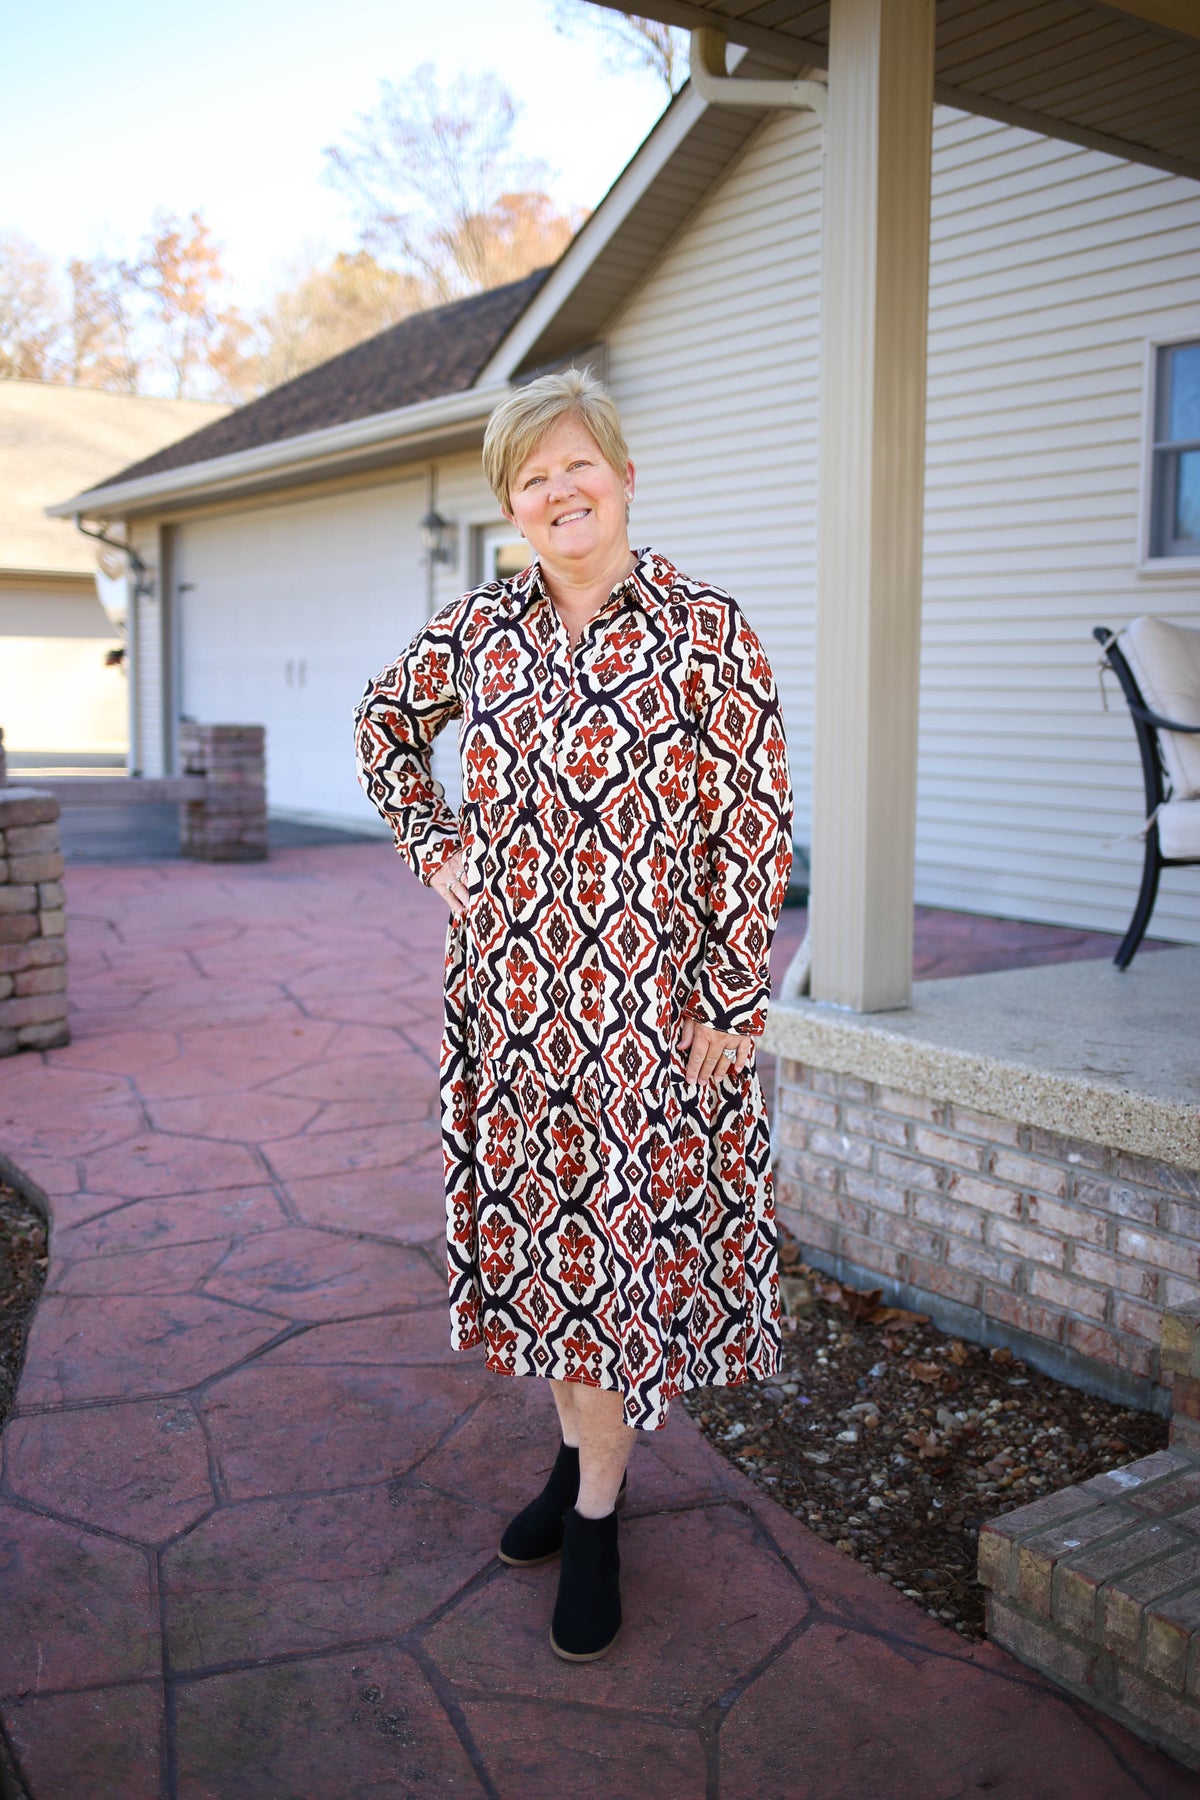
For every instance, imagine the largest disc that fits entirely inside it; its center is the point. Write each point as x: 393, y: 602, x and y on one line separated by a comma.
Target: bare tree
x: 630, y: 41
x: 438, y: 185
x: 325, y: 311
x: 30, y: 311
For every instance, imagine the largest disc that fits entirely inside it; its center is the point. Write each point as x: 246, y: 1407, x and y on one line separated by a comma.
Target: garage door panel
x: 284, y: 614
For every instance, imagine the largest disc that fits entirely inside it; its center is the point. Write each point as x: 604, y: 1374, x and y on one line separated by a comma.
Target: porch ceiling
x: 1122, y: 78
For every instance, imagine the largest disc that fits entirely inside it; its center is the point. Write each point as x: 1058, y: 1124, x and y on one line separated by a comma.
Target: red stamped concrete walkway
x: 250, y: 1501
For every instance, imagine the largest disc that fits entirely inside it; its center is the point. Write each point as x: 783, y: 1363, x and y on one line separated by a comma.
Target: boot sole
x: 584, y: 1655
x: 535, y: 1562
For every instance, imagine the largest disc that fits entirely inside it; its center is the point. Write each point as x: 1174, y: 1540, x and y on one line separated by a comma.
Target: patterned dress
x: 626, y: 836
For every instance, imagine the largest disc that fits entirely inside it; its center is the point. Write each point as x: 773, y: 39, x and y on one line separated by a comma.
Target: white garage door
x: 283, y: 615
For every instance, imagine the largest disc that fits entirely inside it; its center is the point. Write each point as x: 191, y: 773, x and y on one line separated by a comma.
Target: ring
x: 730, y: 1052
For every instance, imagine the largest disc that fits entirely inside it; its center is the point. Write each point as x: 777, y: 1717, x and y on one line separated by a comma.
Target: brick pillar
x: 230, y: 824
x: 1180, y: 1355
x: 33, y: 949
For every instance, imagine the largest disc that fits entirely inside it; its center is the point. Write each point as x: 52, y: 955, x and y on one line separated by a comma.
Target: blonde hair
x: 519, y: 424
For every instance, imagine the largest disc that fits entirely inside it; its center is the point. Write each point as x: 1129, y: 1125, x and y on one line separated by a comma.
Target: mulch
x: 896, y: 1442
x: 22, y: 1277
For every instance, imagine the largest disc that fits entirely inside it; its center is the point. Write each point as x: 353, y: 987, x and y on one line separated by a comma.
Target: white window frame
x: 1148, y: 563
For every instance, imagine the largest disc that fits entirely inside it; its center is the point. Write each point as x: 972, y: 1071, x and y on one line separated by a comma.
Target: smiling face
x: 569, y: 502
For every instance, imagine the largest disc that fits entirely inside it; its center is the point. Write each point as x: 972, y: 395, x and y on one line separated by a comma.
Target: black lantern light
x: 440, y: 537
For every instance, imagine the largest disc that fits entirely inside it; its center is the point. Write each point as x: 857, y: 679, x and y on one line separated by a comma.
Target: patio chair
x: 1158, y: 667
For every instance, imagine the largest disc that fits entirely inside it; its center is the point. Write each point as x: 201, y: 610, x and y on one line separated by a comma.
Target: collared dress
x: 626, y: 838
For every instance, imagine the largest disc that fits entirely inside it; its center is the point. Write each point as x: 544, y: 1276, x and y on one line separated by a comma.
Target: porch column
x: 875, y: 255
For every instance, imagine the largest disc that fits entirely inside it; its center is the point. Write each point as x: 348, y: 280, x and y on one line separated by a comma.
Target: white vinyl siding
x: 714, y: 365
x: 146, y: 748
x: 1051, y: 267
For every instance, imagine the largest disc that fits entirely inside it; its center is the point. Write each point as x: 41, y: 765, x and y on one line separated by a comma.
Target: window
x: 1175, y: 478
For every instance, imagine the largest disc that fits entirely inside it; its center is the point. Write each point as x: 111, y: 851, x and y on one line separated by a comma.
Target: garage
x: 283, y: 614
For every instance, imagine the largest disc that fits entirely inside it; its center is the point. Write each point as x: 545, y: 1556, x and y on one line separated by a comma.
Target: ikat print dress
x: 626, y: 838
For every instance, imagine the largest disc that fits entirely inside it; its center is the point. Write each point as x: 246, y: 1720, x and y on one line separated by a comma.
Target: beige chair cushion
x: 1179, y: 830
x: 1165, y: 660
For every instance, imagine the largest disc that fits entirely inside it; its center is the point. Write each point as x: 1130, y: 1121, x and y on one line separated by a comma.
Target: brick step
x: 1098, y: 1585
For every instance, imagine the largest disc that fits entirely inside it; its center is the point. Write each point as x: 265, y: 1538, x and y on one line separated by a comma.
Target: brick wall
x: 1050, y: 1242
x: 33, y: 949
x: 230, y: 824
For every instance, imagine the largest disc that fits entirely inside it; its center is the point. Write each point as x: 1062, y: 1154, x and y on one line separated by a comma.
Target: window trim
x: 1149, y: 563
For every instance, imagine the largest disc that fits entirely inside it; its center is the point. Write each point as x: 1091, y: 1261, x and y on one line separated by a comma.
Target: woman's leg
x: 564, y: 1399
x: 592, y: 1418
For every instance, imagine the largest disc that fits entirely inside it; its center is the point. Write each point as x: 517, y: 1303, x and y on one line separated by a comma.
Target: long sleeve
x: 395, y: 723
x: 745, y: 801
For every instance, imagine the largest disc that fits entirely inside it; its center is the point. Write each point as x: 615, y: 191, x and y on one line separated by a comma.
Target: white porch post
x: 875, y: 254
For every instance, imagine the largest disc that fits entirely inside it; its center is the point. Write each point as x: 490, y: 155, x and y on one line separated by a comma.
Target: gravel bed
x: 895, y: 1442
x: 22, y: 1277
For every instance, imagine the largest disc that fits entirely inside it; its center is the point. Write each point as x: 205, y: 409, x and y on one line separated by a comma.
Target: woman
x: 614, y: 879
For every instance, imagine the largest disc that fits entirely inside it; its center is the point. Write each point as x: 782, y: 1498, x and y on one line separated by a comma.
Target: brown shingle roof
x: 425, y: 356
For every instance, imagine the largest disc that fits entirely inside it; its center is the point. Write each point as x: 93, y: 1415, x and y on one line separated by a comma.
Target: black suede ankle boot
x: 536, y: 1534
x: 587, y: 1613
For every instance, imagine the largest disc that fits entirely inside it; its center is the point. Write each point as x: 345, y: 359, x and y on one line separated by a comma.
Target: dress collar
x: 651, y: 581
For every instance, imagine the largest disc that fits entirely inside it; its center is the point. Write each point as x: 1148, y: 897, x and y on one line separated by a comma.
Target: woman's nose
x: 562, y: 486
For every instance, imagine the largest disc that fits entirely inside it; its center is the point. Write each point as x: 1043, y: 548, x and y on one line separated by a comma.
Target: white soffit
x: 1124, y: 78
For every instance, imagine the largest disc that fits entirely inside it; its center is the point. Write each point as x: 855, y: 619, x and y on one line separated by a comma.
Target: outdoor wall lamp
x: 440, y: 537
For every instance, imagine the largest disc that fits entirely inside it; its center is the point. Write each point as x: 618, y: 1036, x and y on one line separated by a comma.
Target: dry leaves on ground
x: 22, y: 1276
x: 896, y: 1442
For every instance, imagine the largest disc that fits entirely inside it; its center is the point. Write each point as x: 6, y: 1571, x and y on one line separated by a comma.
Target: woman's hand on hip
x: 449, y: 883
x: 710, y: 1059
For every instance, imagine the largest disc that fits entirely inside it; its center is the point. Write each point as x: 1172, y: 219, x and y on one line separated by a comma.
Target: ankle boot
x: 587, y: 1613
x: 536, y: 1534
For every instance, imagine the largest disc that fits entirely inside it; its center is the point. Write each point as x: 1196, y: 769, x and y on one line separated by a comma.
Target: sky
x: 109, y: 113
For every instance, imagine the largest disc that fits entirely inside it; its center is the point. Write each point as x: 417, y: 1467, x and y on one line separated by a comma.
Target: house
x: 63, y: 693
x: 1064, y: 301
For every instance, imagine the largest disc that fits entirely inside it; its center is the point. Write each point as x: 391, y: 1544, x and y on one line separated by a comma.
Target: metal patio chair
x: 1158, y: 667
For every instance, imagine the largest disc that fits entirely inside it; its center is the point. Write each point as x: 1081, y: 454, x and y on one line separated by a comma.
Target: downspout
x: 717, y: 88
x: 143, y: 584
x: 802, y: 94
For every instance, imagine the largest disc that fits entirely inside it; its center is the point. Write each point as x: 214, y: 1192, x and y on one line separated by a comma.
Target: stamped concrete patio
x: 250, y: 1501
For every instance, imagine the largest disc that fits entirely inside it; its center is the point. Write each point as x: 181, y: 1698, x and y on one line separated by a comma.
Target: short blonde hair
x: 519, y: 424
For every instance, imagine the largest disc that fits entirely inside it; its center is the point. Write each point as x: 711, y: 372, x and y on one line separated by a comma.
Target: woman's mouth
x: 580, y: 512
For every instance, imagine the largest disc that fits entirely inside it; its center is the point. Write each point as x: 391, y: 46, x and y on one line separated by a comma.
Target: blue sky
x: 112, y: 111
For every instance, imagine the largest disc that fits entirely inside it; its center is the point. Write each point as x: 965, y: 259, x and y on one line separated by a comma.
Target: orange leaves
x: 928, y: 1372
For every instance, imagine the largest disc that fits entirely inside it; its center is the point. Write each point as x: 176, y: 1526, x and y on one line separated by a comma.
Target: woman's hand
x: 708, y: 1061
x: 448, y: 882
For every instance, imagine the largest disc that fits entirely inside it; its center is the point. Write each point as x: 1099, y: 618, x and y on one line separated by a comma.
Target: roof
x: 1116, y: 75
x: 425, y: 356
x: 409, y: 391
x: 57, y: 440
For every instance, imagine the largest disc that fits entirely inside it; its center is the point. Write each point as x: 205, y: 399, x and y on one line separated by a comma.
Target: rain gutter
x: 408, y: 427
